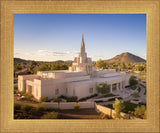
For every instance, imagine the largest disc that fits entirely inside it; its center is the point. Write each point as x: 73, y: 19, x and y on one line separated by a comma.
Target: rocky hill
x: 126, y: 58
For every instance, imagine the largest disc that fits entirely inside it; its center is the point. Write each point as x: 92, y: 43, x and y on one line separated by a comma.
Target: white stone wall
x: 68, y: 105
x: 37, y: 89
x: 48, y: 88
x: 83, y: 89
x: 22, y: 81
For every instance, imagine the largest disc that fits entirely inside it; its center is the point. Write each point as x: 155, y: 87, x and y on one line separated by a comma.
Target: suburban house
x: 80, y: 80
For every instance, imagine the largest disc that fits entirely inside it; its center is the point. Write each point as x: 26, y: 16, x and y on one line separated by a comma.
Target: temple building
x: 80, y: 80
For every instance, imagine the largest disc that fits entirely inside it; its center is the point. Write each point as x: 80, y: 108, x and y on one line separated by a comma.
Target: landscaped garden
x: 41, y: 112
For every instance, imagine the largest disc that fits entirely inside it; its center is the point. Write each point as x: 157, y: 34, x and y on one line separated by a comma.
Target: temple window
x: 73, y: 92
x: 56, y: 91
x: 90, y: 90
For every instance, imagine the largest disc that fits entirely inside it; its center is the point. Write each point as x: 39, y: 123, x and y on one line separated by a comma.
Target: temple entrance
x: 30, y: 89
x: 114, y: 87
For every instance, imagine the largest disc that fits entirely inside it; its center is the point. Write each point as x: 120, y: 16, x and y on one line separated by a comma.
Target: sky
x: 51, y: 37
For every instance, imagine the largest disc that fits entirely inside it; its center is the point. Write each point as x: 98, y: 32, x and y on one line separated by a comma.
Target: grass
x: 135, y: 94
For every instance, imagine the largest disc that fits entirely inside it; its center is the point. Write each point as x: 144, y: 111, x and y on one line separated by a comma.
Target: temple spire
x: 82, y: 44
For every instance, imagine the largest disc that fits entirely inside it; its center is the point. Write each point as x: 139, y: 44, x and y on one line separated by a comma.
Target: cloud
x: 16, y: 53
x: 45, y: 55
x: 55, y: 53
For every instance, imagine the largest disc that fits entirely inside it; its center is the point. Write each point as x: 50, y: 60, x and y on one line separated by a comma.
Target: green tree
x: 77, y: 107
x: 44, y: 99
x: 101, y: 64
x: 43, y: 67
x: 103, y: 88
x: 118, y: 107
x: 145, y: 115
x: 123, y: 65
x: 133, y: 81
x: 140, y: 111
x: 33, y: 63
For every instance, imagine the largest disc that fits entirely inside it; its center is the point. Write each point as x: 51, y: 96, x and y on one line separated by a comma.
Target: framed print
x: 63, y: 59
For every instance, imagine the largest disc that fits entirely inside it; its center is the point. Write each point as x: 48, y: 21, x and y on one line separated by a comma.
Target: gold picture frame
x: 149, y: 7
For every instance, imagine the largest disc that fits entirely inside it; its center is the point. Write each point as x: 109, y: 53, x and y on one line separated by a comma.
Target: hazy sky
x: 50, y: 37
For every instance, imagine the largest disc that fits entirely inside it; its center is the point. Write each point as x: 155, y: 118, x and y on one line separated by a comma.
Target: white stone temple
x: 80, y: 80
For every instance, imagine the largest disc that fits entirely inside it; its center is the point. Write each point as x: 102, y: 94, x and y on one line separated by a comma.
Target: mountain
x: 21, y: 60
x: 126, y: 58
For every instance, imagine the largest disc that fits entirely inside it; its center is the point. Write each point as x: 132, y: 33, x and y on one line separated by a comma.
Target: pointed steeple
x: 82, y: 44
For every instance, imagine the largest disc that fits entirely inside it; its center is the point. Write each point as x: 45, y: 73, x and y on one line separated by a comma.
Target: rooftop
x: 97, y: 80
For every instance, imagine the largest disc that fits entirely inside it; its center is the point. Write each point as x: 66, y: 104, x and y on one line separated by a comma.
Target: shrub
x: 135, y: 94
x: 26, y: 107
x: 28, y: 96
x: 133, y: 81
x: 17, y: 106
x: 63, y: 97
x: 41, y: 108
x: 21, y: 115
x: 22, y: 93
x: 72, y: 99
x: 140, y: 111
x: 16, y: 91
x: 145, y: 115
x: 57, y: 99
x: 103, y: 88
x: 129, y: 106
x: 16, y: 87
x: 104, y: 116
x: 44, y: 99
x: 77, y: 107
x: 118, y: 107
x: 133, y: 87
x: 51, y: 115
x: 139, y: 89
x: 34, y: 100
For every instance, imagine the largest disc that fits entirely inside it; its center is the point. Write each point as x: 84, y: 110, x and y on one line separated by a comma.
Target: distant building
x: 80, y: 80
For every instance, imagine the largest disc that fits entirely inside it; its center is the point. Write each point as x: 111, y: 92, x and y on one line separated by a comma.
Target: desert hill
x: 126, y: 58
